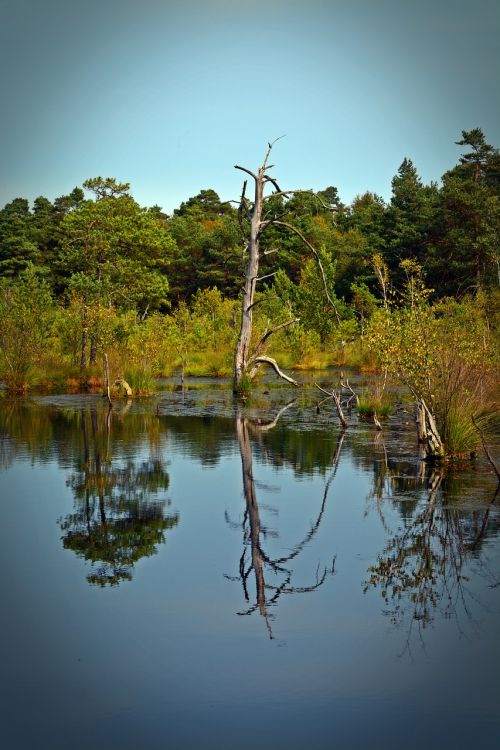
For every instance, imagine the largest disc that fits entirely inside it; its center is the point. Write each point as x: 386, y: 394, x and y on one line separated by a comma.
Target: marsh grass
x: 371, y: 404
x: 141, y: 380
x: 462, y: 439
x: 244, y: 387
x: 208, y: 363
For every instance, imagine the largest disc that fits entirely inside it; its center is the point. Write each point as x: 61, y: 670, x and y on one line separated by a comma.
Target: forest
x: 408, y: 288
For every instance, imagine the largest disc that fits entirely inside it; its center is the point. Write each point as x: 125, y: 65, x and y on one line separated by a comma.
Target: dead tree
x: 336, y: 400
x: 253, y: 222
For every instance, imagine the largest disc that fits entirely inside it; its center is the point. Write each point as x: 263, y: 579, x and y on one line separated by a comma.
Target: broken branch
x: 336, y: 400
x: 273, y: 330
x: 248, y: 171
x: 262, y: 360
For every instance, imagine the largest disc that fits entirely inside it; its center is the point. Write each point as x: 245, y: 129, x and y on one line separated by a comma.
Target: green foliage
x: 307, y: 299
x: 141, y: 380
x: 367, y: 216
x: 467, y: 255
x: 113, y: 250
x: 112, y: 254
x: 18, y: 247
x: 26, y: 315
x: 364, y: 303
x: 303, y: 344
x: 208, y: 247
x: 445, y: 353
x: 115, y: 269
x: 411, y: 219
x: 216, y: 317
x: 482, y: 163
x: 107, y: 187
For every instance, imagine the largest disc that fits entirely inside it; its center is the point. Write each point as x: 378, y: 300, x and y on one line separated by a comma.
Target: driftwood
x: 263, y: 360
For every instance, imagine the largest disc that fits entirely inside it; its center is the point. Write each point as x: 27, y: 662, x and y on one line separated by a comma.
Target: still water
x: 185, y: 573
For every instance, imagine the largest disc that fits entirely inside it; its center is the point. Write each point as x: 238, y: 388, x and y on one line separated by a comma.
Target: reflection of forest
x: 120, y: 504
x: 120, y: 500
x: 46, y: 433
x: 422, y: 570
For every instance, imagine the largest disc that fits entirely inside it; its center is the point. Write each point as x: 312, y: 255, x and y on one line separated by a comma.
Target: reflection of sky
x: 164, y: 659
x: 169, y: 95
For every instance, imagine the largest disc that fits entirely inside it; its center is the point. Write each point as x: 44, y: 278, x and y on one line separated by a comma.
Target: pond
x: 188, y: 572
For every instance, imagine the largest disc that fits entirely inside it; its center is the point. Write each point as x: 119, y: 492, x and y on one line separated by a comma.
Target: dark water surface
x: 183, y: 573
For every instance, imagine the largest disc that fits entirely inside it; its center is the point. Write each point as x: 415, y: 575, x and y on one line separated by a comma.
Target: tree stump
x: 428, y: 434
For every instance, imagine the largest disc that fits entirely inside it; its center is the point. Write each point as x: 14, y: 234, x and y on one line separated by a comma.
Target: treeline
x: 451, y: 230
x: 94, y: 269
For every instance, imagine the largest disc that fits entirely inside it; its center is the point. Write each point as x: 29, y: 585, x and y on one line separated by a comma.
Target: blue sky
x: 169, y: 95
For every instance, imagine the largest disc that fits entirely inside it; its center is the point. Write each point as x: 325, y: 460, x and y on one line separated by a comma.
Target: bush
x: 26, y: 314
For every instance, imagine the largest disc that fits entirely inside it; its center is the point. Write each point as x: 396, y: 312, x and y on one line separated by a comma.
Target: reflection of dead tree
x: 420, y: 571
x: 261, y: 426
x: 254, y: 531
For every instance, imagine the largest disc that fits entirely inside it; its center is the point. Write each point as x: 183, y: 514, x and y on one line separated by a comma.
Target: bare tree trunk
x: 420, y: 420
x: 106, y: 378
x: 93, y: 350
x: 242, y: 352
